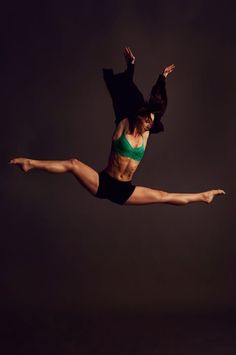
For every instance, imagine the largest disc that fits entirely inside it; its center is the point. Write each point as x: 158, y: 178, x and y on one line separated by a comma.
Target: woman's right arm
x: 120, y: 129
x: 130, y: 60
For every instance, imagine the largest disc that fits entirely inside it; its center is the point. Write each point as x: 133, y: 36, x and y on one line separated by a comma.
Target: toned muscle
x: 122, y: 167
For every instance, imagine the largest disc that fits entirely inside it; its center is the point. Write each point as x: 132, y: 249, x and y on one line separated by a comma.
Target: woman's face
x: 146, y: 122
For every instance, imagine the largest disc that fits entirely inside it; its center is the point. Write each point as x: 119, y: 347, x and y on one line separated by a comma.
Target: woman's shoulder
x: 122, y: 126
x: 146, y: 134
x: 125, y: 122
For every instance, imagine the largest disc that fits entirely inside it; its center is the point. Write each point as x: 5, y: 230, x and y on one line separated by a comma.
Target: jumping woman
x: 136, y: 119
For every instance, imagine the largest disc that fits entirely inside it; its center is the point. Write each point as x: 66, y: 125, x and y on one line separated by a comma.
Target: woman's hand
x: 129, y: 57
x: 168, y: 70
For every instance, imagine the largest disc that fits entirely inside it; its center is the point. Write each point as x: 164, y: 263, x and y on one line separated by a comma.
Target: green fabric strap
x: 124, y: 148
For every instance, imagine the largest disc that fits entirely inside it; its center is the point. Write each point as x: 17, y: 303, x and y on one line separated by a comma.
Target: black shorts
x: 114, y: 190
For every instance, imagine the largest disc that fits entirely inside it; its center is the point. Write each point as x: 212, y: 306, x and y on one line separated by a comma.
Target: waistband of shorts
x: 104, y: 172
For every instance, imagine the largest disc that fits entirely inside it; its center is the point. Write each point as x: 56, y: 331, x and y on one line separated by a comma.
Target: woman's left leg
x: 144, y: 196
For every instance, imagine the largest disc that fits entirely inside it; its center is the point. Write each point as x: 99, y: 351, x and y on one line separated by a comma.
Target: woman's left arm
x: 158, y: 98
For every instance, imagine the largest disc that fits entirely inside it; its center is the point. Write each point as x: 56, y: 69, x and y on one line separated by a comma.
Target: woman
x: 136, y: 119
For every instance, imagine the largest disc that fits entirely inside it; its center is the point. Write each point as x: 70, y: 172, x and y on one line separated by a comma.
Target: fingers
x: 129, y: 57
x: 127, y: 50
x: 170, y: 68
x: 128, y: 53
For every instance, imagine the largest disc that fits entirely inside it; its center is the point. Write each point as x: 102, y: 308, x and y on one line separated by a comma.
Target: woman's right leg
x: 87, y: 176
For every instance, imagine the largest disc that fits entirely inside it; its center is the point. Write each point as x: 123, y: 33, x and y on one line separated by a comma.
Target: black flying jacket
x: 128, y: 101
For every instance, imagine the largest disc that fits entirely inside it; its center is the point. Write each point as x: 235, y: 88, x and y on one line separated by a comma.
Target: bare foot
x: 24, y: 163
x: 209, y: 195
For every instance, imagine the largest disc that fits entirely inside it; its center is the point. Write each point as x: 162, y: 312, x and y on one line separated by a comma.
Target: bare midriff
x: 121, y: 168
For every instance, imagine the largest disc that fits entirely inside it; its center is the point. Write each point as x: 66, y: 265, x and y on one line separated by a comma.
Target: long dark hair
x: 145, y: 111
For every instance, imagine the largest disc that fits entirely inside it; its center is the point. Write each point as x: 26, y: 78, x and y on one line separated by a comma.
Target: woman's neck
x: 135, y: 132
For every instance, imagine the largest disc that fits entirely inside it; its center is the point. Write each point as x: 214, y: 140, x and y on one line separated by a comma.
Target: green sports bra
x: 125, y: 149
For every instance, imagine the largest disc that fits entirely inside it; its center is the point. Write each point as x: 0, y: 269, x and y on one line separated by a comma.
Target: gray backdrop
x: 63, y: 249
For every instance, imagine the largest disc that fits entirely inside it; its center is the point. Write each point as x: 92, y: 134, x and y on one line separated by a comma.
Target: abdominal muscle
x: 121, y: 168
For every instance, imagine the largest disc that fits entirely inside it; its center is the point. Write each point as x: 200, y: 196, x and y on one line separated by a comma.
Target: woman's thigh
x: 86, y: 175
x: 144, y: 196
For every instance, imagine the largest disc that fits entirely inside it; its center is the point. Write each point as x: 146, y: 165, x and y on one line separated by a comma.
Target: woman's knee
x: 162, y: 196
x: 73, y: 163
x: 87, y: 176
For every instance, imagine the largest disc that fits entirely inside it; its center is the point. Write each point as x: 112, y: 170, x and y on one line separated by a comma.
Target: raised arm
x: 158, y: 98
x: 130, y: 60
x: 127, y: 99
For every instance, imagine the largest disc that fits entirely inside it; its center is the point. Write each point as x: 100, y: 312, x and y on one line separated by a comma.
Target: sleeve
x: 158, y: 103
x: 129, y: 72
x: 126, y: 97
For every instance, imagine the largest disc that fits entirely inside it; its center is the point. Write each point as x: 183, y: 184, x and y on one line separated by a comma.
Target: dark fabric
x: 157, y: 103
x: 126, y: 97
x: 128, y: 100
x: 114, y: 190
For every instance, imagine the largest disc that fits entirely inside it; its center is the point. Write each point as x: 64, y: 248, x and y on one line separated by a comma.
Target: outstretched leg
x: 87, y: 176
x: 145, y: 196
